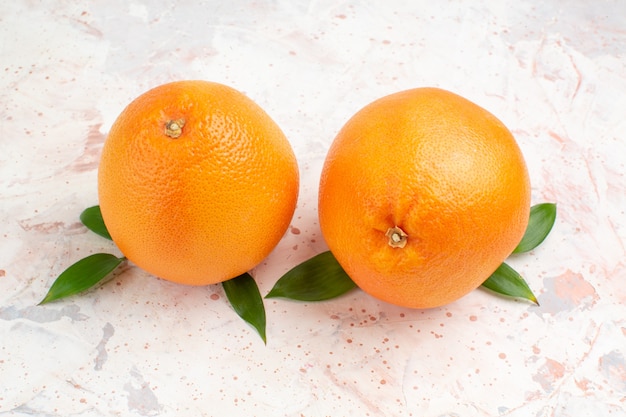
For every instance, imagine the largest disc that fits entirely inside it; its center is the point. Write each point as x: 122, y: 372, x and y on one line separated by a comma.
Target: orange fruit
x: 423, y: 194
x: 197, y: 184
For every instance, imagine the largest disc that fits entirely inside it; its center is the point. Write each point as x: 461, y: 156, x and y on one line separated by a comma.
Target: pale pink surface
x: 553, y: 71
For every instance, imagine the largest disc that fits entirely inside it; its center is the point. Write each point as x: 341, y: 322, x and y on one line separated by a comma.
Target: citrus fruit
x: 197, y: 184
x: 422, y: 195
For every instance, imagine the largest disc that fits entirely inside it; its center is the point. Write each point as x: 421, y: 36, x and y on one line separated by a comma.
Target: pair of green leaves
x: 505, y: 280
x: 319, y: 278
x: 87, y: 272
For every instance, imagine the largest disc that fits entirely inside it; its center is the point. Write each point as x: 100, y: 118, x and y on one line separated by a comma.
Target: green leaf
x: 246, y: 300
x: 507, y: 281
x: 319, y: 278
x: 82, y: 275
x: 542, y: 218
x: 92, y: 218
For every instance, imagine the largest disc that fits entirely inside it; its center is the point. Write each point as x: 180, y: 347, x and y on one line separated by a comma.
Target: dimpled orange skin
x: 442, y: 169
x: 208, y: 205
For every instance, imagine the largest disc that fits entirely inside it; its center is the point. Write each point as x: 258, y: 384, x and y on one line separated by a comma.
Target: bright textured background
x: 553, y: 71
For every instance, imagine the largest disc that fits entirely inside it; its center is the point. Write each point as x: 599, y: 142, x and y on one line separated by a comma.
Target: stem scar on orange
x: 197, y: 184
x: 422, y: 195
